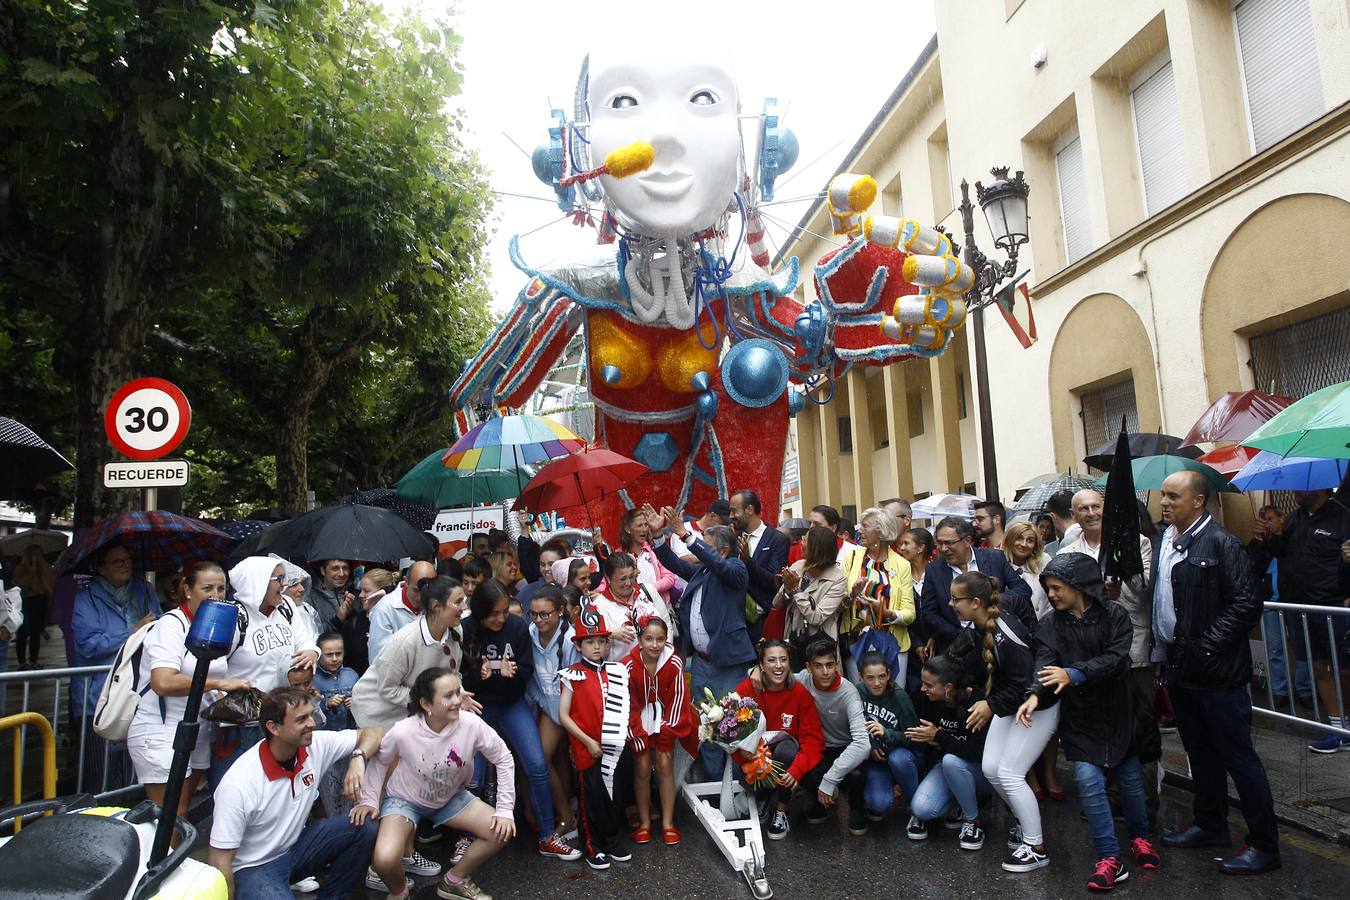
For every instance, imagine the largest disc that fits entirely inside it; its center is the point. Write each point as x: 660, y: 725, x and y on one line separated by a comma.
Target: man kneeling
x: 259, y: 836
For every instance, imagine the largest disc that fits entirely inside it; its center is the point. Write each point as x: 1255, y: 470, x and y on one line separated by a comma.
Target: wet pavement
x: 824, y: 861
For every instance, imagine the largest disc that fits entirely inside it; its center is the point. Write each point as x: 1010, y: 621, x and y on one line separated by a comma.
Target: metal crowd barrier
x: 1310, y: 619
x: 38, y: 721
x: 57, y: 713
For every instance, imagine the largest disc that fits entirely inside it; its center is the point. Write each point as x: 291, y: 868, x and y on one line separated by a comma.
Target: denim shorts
x: 397, y: 806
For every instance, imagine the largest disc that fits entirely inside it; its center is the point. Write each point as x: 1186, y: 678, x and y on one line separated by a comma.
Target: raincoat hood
x: 293, y: 572
x: 250, y: 579
x: 560, y: 568
x: 1077, y: 570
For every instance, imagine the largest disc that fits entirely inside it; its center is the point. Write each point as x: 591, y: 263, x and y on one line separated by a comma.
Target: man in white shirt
x: 259, y: 838
x: 395, y: 610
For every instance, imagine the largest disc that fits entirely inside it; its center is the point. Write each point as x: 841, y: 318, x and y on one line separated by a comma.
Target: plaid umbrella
x: 1038, y: 498
x: 159, y: 541
x: 25, y: 461
x: 418, y: 515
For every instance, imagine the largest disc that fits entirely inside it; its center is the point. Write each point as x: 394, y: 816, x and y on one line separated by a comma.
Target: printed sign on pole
x: 454, y: 527
x: 147, y: 418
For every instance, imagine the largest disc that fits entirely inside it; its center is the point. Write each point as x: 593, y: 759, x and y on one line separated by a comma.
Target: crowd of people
x: 906, y: 672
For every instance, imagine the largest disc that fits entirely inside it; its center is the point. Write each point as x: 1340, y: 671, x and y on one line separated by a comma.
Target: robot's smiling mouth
x: 666, y: 185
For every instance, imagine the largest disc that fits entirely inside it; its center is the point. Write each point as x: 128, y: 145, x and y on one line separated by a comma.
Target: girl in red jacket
x: 791, y: 726
x: 660, y: 715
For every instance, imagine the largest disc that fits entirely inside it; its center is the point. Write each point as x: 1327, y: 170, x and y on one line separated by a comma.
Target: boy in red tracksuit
x: 660, y: 715
x: 593, y: 710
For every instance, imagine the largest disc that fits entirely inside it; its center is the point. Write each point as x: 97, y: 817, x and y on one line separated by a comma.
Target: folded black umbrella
x: 26, y: 460
x: 1120, y: 556
x: 345, y: 531
x: 1140, y: 444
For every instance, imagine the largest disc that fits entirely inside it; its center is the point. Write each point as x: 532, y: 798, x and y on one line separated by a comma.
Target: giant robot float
x: 697, y: 353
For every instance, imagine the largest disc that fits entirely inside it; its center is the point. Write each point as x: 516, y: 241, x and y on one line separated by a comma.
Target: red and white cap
x: 589, y: 624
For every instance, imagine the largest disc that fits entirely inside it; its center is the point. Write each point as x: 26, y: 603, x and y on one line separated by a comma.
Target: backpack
x: 121, y: 693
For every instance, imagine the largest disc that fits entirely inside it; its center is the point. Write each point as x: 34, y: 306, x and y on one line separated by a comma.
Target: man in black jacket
x: 955, y: 544
x: 1204, y: 605
x: 764, y: 551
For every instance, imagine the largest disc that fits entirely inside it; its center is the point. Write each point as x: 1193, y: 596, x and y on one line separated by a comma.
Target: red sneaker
x: 557, y: 848
x: 1109, y: 871
x: 1144, y: 854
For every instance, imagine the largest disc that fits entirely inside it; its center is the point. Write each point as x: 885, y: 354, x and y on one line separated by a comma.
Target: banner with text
x: 454, y: 527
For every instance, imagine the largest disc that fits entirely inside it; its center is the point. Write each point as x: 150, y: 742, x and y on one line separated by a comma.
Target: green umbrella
x: 431, y: 483
x: 1151, y: 471
x: 1317, y: 426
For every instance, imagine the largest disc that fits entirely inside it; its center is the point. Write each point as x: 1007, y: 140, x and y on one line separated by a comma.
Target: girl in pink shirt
x: 435, y: 747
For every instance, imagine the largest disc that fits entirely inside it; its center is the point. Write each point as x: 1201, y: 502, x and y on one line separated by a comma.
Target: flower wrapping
x: 734, y: 722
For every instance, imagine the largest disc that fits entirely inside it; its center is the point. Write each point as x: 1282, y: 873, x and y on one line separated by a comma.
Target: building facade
x: 1189, y: 163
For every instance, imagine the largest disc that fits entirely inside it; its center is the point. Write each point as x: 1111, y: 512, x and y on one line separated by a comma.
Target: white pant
x: 1010, y: 750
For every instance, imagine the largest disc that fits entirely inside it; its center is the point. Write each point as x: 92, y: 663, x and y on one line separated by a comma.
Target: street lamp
x: 1004, y: 203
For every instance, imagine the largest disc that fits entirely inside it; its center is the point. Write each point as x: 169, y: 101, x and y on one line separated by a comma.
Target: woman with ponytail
x: 997, y: 650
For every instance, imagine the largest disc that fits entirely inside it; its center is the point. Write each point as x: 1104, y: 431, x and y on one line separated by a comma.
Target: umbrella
x: 1228, y: 460
x: 48, y: 541
x: 576, y: 480
x: 1141, y: 444
x: 797, y: 524
x: 939, y: 505
x: 1272, y: 472
x: 346, y: 531
x: 509, y: 442
x: 1318, y: 425
x: 1038, y: 479
x: 1120, y: 556
x: 1038, y: 498
x: 1235, y: 415
x: 26, y: 460
x: 1151, y: 471
x: 239, y: 529
x: 418, y: 515
x: 431, y: 483
x: 159, y: 541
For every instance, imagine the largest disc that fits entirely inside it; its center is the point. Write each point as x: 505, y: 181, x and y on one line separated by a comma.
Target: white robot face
x: 687, y: 111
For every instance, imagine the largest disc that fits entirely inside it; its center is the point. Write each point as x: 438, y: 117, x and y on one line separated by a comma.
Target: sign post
x: 145, y: 420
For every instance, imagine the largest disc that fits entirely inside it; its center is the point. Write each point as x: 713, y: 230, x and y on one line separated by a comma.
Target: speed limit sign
x: 147, y: 418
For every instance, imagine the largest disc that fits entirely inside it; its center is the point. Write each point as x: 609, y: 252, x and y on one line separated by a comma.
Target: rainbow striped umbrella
x: 505, y: 443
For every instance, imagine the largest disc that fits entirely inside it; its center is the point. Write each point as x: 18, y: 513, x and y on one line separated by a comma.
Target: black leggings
x: 29, y: 636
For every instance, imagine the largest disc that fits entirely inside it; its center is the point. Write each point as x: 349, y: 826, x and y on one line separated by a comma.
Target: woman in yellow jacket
x: 881, y: 590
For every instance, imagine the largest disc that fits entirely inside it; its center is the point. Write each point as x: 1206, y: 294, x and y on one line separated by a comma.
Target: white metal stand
x: 739, y: 839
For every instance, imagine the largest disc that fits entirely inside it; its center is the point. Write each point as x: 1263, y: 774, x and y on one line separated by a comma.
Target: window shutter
x: 1157, y: 129
x: 1073, y: 200
x: 1279, y: 67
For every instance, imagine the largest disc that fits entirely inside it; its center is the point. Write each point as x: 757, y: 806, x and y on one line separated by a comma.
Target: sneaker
x: 461, y: 847
x: 375, y: 882
x: 1144, y: 854
x: 465, y: 890
x: 599, y: 861
x: 621, y: 854
x: 558, y: 848
x: 1332, y: 743
x: 1109, y: 872
x: 1015, y: 837
x: 778, y: 826
x: 428, y: 833
x: 857, y: 824
x: 972, y: 836
x: 417, y: 864
x: 916, y: 830
x: 815, y: 813
x: 875, y: 817
x: 1025, y: 858
x: 306, y: 886
x: 953, y: 822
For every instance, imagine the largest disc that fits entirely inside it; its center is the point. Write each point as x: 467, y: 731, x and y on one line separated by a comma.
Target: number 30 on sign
x: 147, y: 418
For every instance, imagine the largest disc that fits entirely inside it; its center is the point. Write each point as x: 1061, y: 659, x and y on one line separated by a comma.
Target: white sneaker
x: 306, y: 886
x: 375, y: 882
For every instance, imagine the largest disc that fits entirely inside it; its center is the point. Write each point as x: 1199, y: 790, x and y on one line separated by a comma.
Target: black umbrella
x: 417, y: 515
x: 1140, y: 444
x: 344, y: 531
x: 26, y: 460
x: 244, y: 528
x: 1120, y: 557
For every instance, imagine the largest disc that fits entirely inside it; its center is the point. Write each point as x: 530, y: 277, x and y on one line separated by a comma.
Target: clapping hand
x: 791, y: 580
x: 674, y: 521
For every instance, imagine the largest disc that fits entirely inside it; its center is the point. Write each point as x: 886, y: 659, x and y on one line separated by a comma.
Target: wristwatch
x: 360, y: 754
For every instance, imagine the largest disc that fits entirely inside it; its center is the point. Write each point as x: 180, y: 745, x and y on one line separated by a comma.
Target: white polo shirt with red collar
x: 261, y: 808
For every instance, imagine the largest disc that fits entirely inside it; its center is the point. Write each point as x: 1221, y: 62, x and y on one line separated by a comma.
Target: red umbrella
x: 1228, y: 460
x: 575, y: 480
x: 1234, y: 416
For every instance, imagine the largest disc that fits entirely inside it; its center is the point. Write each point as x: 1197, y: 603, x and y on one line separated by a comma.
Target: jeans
x: 1092, y: 798
x: 519, y: 729
x: 333, y: 840
x: 901, y: 767
x: 1216, y: 730
x: 1279, y: 668
x: 951, y: 779
x: 721, y: 680
x: 228, y: 744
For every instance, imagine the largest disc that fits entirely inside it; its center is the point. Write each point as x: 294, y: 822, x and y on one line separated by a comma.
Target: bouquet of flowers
x: 734, y: 722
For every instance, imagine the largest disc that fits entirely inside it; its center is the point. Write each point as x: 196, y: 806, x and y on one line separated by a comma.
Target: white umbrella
x: 940, y: 505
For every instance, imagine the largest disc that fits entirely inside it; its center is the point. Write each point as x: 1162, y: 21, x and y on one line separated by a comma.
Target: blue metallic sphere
x: 755, y: 373
x: 788, y: 150
x: 539, y: 161
x: 796, y: 402
x: 610, y: 374
x: 707, y: 404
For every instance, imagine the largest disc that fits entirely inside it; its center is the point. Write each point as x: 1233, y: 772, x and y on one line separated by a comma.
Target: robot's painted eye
x: 703, y: 98
x: 623, y: 101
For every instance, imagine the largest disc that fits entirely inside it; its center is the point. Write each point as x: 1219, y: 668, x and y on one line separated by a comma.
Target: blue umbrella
x: 1271, y: 472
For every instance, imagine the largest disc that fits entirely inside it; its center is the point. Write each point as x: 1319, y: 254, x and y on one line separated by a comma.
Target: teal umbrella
x: 1316, y: 426
x: 432, y: 484
x: 1151, y: 471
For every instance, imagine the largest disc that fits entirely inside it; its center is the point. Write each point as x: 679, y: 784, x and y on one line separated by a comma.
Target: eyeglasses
x: 957, y: 599
x: 942, y: 544
x: 537, y: 615
x: 279, y: 579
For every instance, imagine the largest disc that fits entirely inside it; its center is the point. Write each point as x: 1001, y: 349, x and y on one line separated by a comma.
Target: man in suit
x: 712, y: 612
x: 763, y: 550
x: 955, y: 544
